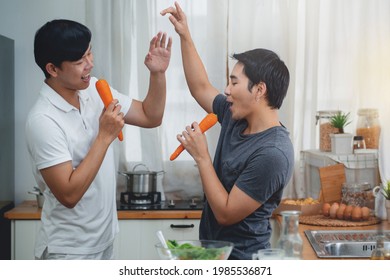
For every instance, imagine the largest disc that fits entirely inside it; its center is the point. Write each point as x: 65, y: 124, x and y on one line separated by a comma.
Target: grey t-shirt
x: 260, y: 165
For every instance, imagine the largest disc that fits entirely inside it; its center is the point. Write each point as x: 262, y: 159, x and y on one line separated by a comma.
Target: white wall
x: 19, y: 20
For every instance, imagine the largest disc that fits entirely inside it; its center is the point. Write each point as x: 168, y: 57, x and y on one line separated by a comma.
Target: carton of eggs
x: 342, y: 211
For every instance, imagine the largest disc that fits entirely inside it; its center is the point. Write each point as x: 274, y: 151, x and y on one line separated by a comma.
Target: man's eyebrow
x: 233, y: 77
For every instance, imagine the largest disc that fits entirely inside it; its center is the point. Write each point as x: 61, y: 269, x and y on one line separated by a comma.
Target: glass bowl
x: 196, y: 250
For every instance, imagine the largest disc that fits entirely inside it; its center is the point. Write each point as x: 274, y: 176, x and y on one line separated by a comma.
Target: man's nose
x: 227, y: 91
x: 90, y: 61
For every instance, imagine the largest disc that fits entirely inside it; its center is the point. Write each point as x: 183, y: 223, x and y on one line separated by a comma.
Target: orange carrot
x: 105, y: 94
x: 208, y: 121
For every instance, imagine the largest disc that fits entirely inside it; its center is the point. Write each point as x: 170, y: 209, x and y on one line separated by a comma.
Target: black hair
x: 60, y: 40
x: 261, y: 65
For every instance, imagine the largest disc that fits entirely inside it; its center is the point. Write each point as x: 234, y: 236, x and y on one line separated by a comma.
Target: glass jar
x: 358, y: 143
x: 369, y: 127
x: 290, y: 240
x: 358, y: 194
x: 323, y: 118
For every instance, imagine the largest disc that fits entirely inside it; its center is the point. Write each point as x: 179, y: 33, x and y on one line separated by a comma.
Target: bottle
x: 290, y: 240
x: 380, y: 253
x: 323, y: 118
x: 369, y: 127
x: 380, y: 203
x: 358, y: 143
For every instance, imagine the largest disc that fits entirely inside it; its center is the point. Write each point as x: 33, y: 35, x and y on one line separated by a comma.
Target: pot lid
x: 141, y: 172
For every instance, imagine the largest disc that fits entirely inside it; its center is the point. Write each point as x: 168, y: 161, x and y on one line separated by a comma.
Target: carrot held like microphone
x: 105, y: 94
x: 210, y: 120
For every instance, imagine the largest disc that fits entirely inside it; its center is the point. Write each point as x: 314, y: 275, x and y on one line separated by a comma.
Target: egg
x: 365, y: 213
x: 333, y: 210
x: 325, y: 209
x: 340, y: 211
x: 348, y: 212
x: 357, y: 213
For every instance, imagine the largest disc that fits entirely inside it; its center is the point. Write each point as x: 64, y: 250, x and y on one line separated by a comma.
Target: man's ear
x: 261, y: 89
x: 51, y: 69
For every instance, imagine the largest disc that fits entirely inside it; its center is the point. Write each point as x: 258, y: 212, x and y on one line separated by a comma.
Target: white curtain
x: 338, y: 54
x: 120, y: 41
x: 122, y: 31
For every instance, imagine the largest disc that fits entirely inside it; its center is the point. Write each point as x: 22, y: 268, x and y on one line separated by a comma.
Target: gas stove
x: 152, y: 201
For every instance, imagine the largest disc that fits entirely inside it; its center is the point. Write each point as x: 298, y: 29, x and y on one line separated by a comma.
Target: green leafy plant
x: 386, y: 190
x: 339, y: 121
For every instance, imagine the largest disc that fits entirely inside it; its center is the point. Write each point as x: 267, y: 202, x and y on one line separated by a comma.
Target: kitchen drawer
x: 136, y: 238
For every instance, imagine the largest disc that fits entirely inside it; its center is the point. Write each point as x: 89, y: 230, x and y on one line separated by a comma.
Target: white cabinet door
x: 127, y: 245
x: 137, y: 238
x: 135, y: 241
x: 23, y: 238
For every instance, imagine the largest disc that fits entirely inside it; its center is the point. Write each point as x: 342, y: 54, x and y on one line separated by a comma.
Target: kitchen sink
x: 345, y: 243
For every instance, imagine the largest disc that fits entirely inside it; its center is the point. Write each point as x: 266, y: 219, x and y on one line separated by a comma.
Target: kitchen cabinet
x: 136, y: 238
x: 23, y: 234
x: 135, y: 241
x: 137, y: 231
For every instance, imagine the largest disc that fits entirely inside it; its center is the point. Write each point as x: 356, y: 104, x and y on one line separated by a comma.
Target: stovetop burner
x: 130, y: 198
x: 152, y: 201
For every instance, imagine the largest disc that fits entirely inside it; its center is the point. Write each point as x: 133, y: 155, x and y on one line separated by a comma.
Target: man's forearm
x: 195, y: 73
x: 154, y: 102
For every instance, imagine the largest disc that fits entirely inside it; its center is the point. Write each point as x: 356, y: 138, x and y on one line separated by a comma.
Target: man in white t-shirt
x: 69, y: 136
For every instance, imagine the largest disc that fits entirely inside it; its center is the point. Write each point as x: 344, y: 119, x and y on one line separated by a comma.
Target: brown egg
x: 340, y: 211
x: 365, y: 213
x: 348, y: 212
x: 333, y: 210
x: 325, y: 209
x: 356, y: 213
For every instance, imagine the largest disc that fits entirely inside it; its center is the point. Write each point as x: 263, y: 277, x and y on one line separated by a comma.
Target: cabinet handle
x: 182, y: 226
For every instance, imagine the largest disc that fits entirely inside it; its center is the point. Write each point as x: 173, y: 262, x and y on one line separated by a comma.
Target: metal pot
x: 142, y: 181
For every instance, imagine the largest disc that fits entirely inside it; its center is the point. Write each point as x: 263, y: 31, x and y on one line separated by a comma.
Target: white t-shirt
x: 57, y: 132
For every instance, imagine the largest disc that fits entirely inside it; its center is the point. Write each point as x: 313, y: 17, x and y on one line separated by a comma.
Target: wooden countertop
x: 309, y: 254
x: 28, y: 210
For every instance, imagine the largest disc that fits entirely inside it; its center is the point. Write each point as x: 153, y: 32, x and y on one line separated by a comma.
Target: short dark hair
x: 60, y: 40
x: 262, y: 65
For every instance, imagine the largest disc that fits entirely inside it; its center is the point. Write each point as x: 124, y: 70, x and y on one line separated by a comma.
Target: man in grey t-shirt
x: 254, y: 158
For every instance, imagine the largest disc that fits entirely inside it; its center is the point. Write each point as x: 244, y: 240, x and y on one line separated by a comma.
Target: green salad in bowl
x: 195, y: 250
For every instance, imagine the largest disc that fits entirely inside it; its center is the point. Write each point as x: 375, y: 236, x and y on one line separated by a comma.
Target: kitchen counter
x: 28, y: 210
x: 308, y: 252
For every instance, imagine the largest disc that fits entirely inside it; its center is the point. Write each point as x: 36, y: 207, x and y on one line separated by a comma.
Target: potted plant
x: 386, y: 191
x: 340, y: 120
x: 341, y: 142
